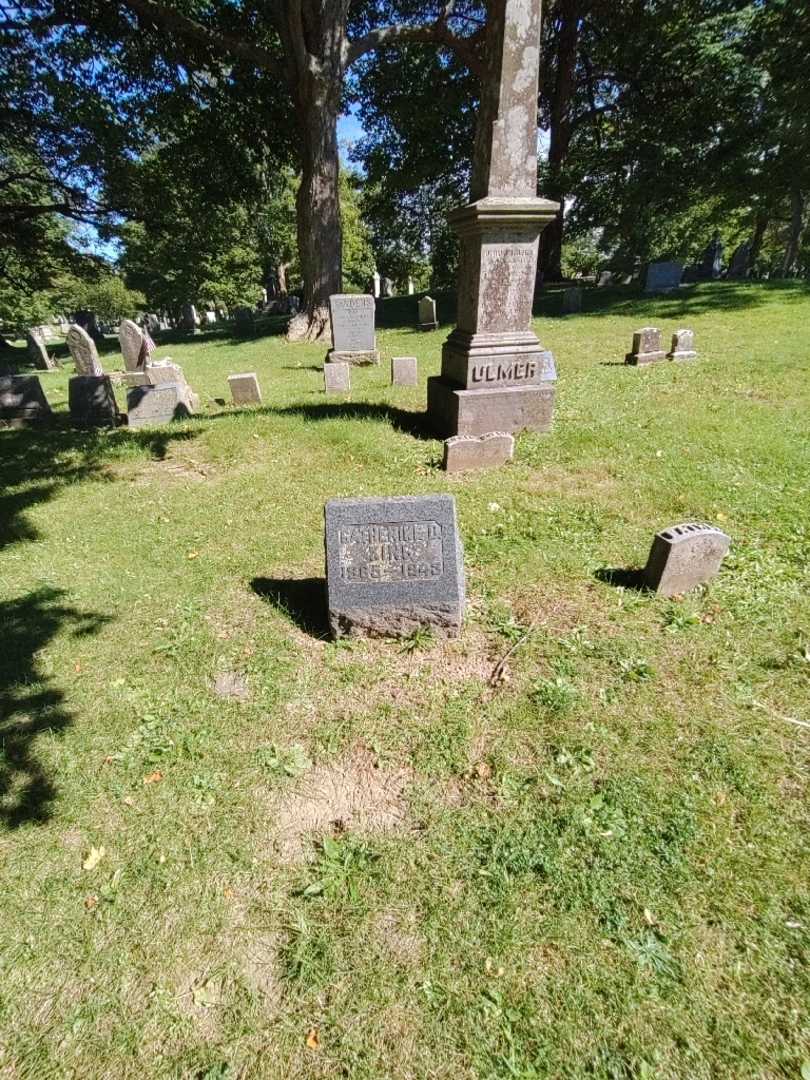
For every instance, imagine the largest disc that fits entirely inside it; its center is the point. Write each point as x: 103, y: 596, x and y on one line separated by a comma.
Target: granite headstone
x: 353, y: 338
x: 646, y: 347
x: 336, y: 378
x: 22, y: 401
x: 92, y: 401
x: 84, y: 352
x: 685, y: 556
x: 37, y: 350
x: 427, y: 314
x: 404, y: 371
x: 160, y: 404
x: 463, y: 453
x: 663, y: 277
x: 572, y: 301
x: 245, y: 388
x: 131, y: 339
x: 683, y: 346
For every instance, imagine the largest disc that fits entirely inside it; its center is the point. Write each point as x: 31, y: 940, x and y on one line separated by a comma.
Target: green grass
x: 595, y: 868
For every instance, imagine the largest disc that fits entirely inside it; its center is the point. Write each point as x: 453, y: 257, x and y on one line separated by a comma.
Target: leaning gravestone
x: 404, y: 371
x: 92, y: 401
x: 684, y: 556
x: 245, y: 388
x: 84, y: 352
x: 155, y: 405
x: 131, y: 339
x: 353, y: 338
x: 463, y: 453
x: 572, y: 301
x: 37, y: 350
x: 663, y: 277
x: 22, y: 401
x: 427, y: 314
x: 394, y: 566
x: 336, y: 379
x: 646, y: 347
x: 683, y: 346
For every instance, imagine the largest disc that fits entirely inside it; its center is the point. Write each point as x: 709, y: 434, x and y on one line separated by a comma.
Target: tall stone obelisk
x: 496, y: 376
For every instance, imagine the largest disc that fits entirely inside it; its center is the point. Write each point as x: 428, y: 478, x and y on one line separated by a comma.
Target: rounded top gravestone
x: 131, y: 338
x: 83, y: 351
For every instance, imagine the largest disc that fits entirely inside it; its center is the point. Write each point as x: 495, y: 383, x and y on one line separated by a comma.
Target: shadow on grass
x: 622, y: 578
x: 301, y: 599
x: 40, y: 462
x: 29, y: 704
x: 415, y: 424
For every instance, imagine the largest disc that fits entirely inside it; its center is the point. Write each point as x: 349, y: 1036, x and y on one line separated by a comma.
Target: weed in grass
x: 556, y: 696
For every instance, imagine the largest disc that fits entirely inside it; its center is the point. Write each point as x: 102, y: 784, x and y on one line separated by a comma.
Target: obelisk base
x: 452, y: 411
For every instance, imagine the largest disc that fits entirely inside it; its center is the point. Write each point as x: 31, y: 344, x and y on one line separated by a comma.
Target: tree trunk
x: 568, y: 15
x: 760, y: 225
x: 797, y: 206
x: 281, y: 278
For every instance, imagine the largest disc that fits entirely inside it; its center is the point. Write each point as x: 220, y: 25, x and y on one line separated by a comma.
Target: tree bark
x: 797, y: 208
x: 569, y: 13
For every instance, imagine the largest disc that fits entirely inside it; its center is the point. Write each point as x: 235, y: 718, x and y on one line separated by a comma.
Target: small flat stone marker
x: 404, y: 371
x: 394, y: 566
x: 22, y: 401
x: 646, y: 347
x: 463, y: 453
x: 336, y: 378
x: 353, y: 337
x: 92, y: 401
x: 155, y: 405
x: 572, y: 301
x: 683, y: 346
x: 245, y: 388
x: 684, y: 556
x: 427, y: 314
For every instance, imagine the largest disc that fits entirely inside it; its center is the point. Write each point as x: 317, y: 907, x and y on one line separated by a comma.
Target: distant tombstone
x: 410, y: 286
x: 92, y: 401
x: 740, y: 261
x: 549, y: 367
x: 245, y: 389
x: 152, y: 323
x: 463, y: 453
x: 427, y: 314
x: 712, y: 262
x: 646, y: 347
x: 88, y: 321
x: 387, y: 287
x: 188, y: 317
x: 404, y: 371
x: 572, y: 301
x: 353, y: 338
x: 605, y: 278
x: 336, y: 379
x: 131, y: 339
x: 394, y: 566
x: 211, y: 317
x: 160, y: 404
x: 684, y: 556
x: 293, y: 304
x: 83, y: 351
x: 683, y: 346
x: 663, y: 277
x: 244, y: 320
x: 22, y: 401
x: 376, y: 284
x: 37, y: 351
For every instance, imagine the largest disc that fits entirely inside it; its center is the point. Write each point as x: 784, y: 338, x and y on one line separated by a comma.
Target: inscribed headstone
x: 572, y: 301
x: 83, y: 350
x: 663, y: 277
x: 353, y: 338
x: 131, y: 340
x: 22, y: 401
x: 37, y: 350
x: 404, y: 371
x: 336, y: 379
x: 92, y: 401
x: 463, y: 453
x: 427, y: 314
x: 155, y: 405
x: 646, y: 347
x: 684, y: 556
x: 245, y: 388
x: 394, y: 566
x: 683, y: 345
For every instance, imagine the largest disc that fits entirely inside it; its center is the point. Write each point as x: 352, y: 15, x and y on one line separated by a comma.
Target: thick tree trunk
x: 281, y: 278
x: 568, y: 16
x: 797, y: 208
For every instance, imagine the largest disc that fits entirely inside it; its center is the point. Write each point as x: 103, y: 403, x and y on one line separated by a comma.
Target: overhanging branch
x: 437, y: 33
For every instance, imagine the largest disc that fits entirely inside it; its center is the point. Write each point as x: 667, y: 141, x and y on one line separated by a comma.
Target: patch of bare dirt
x: 232, y: 685
x: 354, y: 794
x: 397, y: 937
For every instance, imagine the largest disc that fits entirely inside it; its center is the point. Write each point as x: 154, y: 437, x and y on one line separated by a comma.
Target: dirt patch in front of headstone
x: 355, y: 794
x: 231, y: 685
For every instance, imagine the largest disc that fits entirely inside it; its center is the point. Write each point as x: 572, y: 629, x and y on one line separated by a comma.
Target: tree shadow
x: 37, y: 463
x: 29, y: 704
x: 301, y: 599
x: 622, y: 578
x: 302, y: 367
x: 411, y: 423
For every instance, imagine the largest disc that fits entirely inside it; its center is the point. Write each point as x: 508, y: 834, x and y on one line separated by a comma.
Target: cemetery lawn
x: 232, y: 848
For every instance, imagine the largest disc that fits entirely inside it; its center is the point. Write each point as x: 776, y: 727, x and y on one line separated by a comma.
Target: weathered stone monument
x: 131, y: 339
x: 410, y: 286
x: 245, y: 388
x: 427, y: 314
x: 404, y: 371
x: 683, y: 346
x: 336, y: 378
x: 684, y: 556
x: 22, y: 401
x: 189, y: 320
x: 711, y: 265
x: 375, y: 287
x: 92, y: 401
x: 492, y: 373
x: 37, y: 350
x: 646, y: 347
x: 394, y: 566
x: 353, y: 337
x: 462, y: 453
x: 572, y: 301
x: 387, y: 287
x: 159, y: 404
x: 244, y: 321
x: 663, y: 277
x: 84, y: 352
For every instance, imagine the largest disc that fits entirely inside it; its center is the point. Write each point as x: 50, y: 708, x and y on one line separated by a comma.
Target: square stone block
x: 394, y: 566
x: 22, y: 401
x: 160, y: 404
x: 463, y: 453
x: 92, y: 401
x: 404, y: 371
x: 245, y: 389
x: 477, y: 412
x: 685, y: 556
